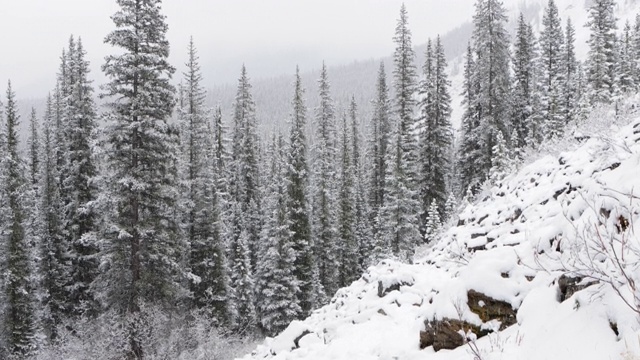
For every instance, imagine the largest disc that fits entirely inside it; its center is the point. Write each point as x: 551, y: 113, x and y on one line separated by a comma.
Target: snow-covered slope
x: 512, y: 264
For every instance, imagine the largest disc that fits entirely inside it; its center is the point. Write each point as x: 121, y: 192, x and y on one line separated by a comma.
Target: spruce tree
x: 207, y: 259
x: 78, y: 190
x: 400, y: 210
x: 277, y: 285
x: 551, y: 60
x: 143, y: 244
x: 52, y: 247
x: 348, y: 247
x: 34, y: 149
x: 437, y: 135
x: 492, y: 73
x: 405, y: 85
x: 571, y: 68
x: 627, y: 62
x: 380, y: 132
x: 323, y: 185
x: 244, y: 197
x: 297, y: 176
x: 523, y: 69
x: 433, y: 223
x: 19, y: 321
x: 601, y: 59
x: 362, y: 227
x: 470, y: 150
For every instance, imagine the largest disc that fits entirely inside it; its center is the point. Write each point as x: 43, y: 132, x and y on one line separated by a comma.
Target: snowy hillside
x: 509, y: 269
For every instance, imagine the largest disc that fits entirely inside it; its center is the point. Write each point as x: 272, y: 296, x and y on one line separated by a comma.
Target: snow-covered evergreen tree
x: 433, y: 223
x: 551, y: 62
x: 524, y: 61
x: 501, y: 162
x: 379, y: 141
x: 52, y: 247
x: 571, y: 90
x: 276, y: 281
x: 492, y: 73
x: 437, y: 135
x: 626, y: 70
x: 347, y: 242
x: 470, y: 150
x: 34, y: 148
x: 207, y: 259
x: 78, y: 190
x: 19, y: 290
x: 143, y: 246
x: 362, y: 226
x: 297, y: 175
x: 323, y: 185
x: 244, y: 217
x: 601, y: 60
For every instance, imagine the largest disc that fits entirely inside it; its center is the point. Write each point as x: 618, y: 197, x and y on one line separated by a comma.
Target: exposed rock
x: 384, y: 290
x: 446, y: 333
x: 488, y: 308
x: 571, y: 285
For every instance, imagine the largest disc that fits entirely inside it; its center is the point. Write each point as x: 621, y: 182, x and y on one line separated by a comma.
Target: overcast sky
x: 269, y: 36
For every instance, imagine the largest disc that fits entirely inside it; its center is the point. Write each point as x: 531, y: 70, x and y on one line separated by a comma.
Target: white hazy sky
x: 269, y: 36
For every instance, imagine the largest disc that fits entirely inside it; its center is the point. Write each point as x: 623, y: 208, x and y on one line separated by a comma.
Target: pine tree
x: 437, y: 135
x: 380, y: 132
x: 362, y: 227
x: 323, y: 181
x: 470, y: 150
x: 636, y: 49
x: 348, y: 247
x: 244, y: 196
x: 524, y: 75
x: 405, y: 84
x: 78, y: 191
x: 492, y: 73
x: 551, y: 56
x: 601, y: 60
x: 19, y: 321
x: 34, y: 149
x: 571, y: 68
x: 297, y: 176
x: 400, y: 210
x: 277, y: 285
x: 143, y: 244
x: 206, y: 249
x: 627, y: 62
x: 52, y: 247
x: 501, y: 163
x: 433, y: 223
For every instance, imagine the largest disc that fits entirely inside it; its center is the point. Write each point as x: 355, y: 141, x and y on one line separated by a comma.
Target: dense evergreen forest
x: 128, y: 228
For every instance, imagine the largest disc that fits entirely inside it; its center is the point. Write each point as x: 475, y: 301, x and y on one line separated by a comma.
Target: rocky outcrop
x: 452, y: 333
x: 488, y: 308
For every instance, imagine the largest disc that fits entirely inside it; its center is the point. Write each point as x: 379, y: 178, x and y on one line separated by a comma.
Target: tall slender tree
x: 277, y: 284
x: 380, y: 133
x: 244, y: 195
x: 437, y: 135
x: 323, y: 185
x: 297, y: 175
x: 551, y: 56
x: 143, y: 245
x: 524, y: 63
x: 601, y: 59
x: 78, y: 174
x: 19, y: 320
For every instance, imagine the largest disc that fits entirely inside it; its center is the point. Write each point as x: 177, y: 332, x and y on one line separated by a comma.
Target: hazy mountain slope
x: 507, y: 265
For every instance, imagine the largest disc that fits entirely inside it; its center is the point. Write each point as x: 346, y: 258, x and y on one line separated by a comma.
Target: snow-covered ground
x: 570, y: 213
